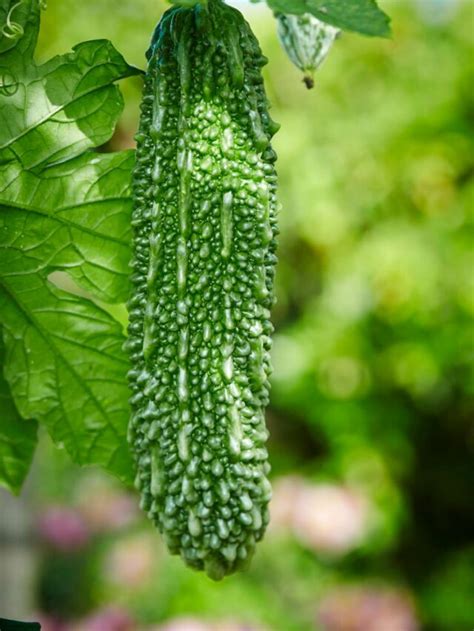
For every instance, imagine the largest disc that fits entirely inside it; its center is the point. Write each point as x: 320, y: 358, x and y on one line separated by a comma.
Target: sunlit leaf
x: 64, y: 207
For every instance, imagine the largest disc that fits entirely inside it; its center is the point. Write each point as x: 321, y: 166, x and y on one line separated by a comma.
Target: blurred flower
x: 103, y: 506
x: 130, y: 561
x: 49, y: 623
x: 330, y: 518
x: 194, y: 624
x: 184, y: 624
x: 63, y: 528
x: 326, y: 517
x: 109, y: 619
x: 285, y: 490
x: 367, y: 609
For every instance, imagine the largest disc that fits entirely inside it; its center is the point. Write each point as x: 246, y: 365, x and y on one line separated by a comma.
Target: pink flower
x: 103, y: 506
x: 48, y: 623
x: 130, y: 562
x: 109, y: 619
x: 282, y: 505
x: 367, y: 609
x: 331, y: 518
x: 63, y: 528
x: 185, y: 624
x: 194, y: 624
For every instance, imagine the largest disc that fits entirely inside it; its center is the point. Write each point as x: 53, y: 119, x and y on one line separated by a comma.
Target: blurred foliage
x: 372, y: 389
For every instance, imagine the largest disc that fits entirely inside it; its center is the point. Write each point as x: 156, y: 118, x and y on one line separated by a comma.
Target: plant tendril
x: 10, y: 29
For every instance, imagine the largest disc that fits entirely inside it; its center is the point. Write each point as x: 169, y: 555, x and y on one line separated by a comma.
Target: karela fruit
x: 307, y: 42
x: 204, y: 226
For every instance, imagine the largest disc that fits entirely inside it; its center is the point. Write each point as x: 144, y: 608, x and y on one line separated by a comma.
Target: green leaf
x: 66, y: 367
x: 361, y: 16
x: 64, y: 207
x: 17, y: 438
x: 73, y: 216
x: 62, y: 108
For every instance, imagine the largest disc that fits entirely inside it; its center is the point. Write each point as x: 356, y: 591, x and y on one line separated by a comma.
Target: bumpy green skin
x: 204, y: 256
x: 307, y: 42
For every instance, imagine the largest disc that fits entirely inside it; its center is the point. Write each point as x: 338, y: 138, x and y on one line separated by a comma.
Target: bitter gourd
x: 204, y: 255
x: 307, y: 42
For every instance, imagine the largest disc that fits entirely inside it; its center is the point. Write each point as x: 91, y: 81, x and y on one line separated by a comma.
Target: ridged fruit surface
x: 204, y: 256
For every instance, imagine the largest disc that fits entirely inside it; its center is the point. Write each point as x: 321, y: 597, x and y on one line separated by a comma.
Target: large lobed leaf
x: 64, y: 207
x: 361, y: 16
